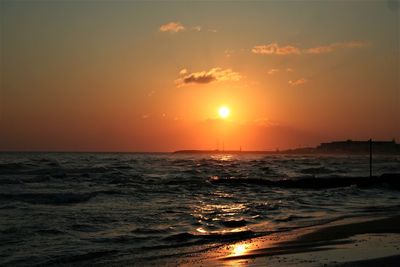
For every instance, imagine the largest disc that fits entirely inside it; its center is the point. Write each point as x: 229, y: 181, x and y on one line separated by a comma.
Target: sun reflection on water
x: 239, y: 249
x: 201, y: 230
x: 223, y: 157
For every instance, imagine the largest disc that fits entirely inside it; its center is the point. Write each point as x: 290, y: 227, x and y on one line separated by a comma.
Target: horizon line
x: 276, y: 150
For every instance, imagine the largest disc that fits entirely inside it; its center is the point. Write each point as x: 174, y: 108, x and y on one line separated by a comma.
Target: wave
x: 88, y: 257
x: 389, y: 180
x: 53, y: 198
x: 120, y: 178
x: 55, y: 169
x: 212, y: 236
x: 50, y: 232
x: 85, y: 228
x: 10, y: 181
x: 20, y: 180
x: 13, y: 167
x: 377, y: 209
x: 317, y: 170
x: 148, y: 231
x: 290, y: 218
x: 234, y: 223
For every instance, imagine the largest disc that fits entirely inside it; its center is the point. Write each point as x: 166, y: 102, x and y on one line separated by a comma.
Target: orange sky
x: 137, y: 76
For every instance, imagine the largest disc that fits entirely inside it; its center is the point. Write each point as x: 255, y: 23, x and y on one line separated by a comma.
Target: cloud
x: 172, y: 27
x: 275, y: 49
x: 335, y: 46
x: 320, y: 49
x: 229, y: 52
x: 205, y: 77
x: 355, y: 44
x: 298, y: 82
x: 196, y: 28
x: 183, y: 71
x: 272, y: 71
x: 199, y: 78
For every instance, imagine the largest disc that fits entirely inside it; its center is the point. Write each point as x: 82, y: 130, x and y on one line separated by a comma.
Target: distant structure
x: 350, y: 146
x: 336, y: 147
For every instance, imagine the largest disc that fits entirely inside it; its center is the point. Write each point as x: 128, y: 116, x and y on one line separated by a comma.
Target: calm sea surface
x: 74, y: 208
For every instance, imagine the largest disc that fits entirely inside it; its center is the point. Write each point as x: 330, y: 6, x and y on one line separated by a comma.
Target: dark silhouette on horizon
x: 334, y: 147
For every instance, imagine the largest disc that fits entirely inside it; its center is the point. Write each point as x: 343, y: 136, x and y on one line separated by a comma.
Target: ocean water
x: 127, y: 209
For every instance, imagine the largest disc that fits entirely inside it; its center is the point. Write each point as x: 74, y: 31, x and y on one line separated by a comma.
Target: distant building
x: 350, y: 146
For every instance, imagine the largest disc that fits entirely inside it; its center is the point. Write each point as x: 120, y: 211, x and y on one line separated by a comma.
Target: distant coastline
x: 216, y: 151
x: 334, y: 147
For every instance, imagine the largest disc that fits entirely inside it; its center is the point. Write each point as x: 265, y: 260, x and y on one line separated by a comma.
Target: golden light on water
x: 239, y: 249
x: 220, y: 157
x: 201, y: 230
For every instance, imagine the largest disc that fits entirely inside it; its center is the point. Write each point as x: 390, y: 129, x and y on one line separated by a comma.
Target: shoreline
x: 356, y: 241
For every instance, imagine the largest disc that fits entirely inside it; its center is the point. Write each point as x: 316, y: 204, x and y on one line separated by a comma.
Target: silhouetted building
x: 350, y: 146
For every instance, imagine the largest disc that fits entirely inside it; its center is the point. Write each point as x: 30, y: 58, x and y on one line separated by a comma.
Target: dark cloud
x: 193, y: 78
x: 204, y: 77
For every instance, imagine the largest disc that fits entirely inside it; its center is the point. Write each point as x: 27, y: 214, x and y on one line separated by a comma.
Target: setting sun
x: 224, y: 112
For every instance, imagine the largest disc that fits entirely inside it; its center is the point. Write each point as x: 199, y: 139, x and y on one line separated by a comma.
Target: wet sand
x: 348, y: 242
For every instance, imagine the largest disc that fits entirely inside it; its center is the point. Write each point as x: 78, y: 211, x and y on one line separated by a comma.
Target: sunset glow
x: 76, y: 80
x: 224, y: 112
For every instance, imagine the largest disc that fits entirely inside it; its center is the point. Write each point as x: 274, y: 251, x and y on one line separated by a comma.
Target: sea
x: 122, y: 209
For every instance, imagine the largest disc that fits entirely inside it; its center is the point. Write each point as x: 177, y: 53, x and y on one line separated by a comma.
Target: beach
x: 347, y: 242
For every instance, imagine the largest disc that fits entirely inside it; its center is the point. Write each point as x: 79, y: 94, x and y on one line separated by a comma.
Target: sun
x: 224, y: 112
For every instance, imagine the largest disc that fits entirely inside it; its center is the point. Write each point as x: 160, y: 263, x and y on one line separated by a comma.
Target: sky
x: 151, y: 75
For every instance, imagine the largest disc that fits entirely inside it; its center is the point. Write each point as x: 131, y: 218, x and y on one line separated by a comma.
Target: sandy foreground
x: 348, y: 242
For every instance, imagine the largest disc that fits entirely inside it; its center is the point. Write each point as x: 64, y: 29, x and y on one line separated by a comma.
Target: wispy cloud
x: 196, y: 28
x: 275, y: 49
x: 335, y: 46
x: 229, y: 52
x: 272, y: 71
x: 298, y: 82
x: 205, y: 77
x: 172, y: 27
